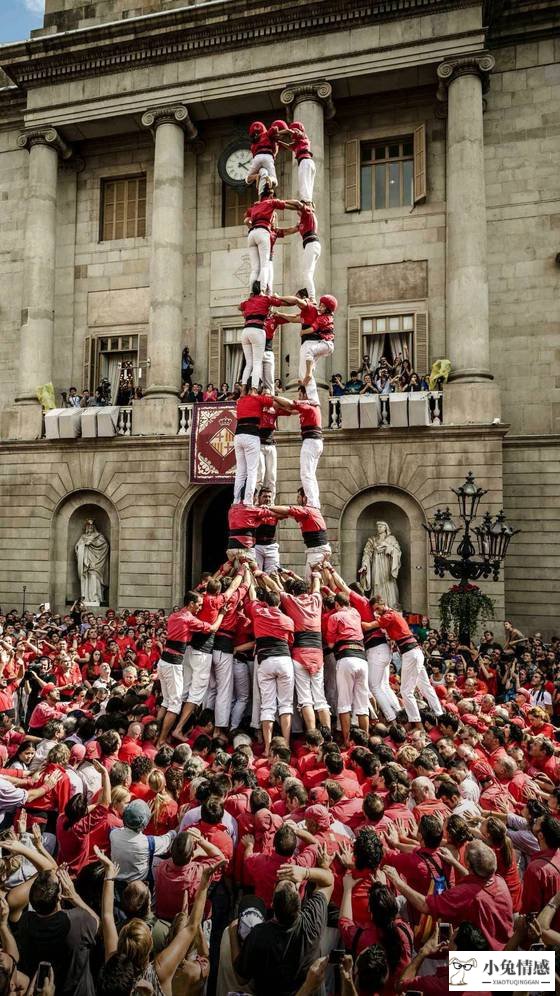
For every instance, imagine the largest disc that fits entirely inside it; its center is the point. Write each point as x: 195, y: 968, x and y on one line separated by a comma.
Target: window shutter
x: 214, y: 357
x: 354, y: 345
x: 352, y: 175
x: 421, y: 360
x: 87, y: 371
x: 420, y: 164
x: 142, y: 358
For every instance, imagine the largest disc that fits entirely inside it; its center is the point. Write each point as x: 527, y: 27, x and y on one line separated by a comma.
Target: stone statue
x: 92, y: 555
x: 381, y: 563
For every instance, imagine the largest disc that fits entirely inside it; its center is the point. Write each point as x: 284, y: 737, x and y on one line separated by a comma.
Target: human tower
x: 256, y: 637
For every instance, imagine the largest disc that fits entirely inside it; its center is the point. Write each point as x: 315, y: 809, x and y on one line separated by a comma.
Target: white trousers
x: 247, y: 451
x: 263, y: 164
x: 171, y: 681
x: 256, y: 703
x: 313, y: 351
x: 313, y: 556
x: 414, y: 675
x: 222, y: 668
x: 379, y: 659
x: 241, y: 692
x: 310, y: 689
x: 268, y: 557
x: 266, y: 288
x: 268, y: 371
x: 309, y: 456
x: 268, y: 462
x: 276, y: 684
x: 311, y: 254
x: 258, y: 241
x: 252, y: 343
x: 306, y: 179
x: 352, y: 686
x: 197, y: 666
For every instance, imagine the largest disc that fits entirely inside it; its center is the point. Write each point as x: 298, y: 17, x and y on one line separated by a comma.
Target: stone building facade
x: 435, y: 126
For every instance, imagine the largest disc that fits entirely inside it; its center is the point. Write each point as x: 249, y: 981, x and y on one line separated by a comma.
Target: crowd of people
x: 281, y: 834
x: 382, y: 378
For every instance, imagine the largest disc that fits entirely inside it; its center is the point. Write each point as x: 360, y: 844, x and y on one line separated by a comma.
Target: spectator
x: 73, y: 398
x: 187, y: 365
x: 337, y: 388
x: 354, y: 385
x: 210, y: 394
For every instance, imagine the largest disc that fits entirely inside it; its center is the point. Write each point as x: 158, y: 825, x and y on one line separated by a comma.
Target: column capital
x: 320, y: 91
x: 45, y: 136
x: 478, y: 64
x: 170, y: 114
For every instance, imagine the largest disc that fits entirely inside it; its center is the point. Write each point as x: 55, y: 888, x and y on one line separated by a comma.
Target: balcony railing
x: 390, y: 411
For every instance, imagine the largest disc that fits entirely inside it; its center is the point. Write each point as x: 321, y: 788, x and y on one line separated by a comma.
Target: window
x: 386, y: 170
x: 233, y: 360
x: 235, y: 204
x: 387, y: 336
x: 385, y: 173
x: 123, y: 208
x: 117, y: 363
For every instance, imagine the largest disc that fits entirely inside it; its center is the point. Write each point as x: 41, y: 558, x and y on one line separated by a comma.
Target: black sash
x: 308, y: 639
x: 318, y: 537
x: 271, y: 646
x: 348, y: 648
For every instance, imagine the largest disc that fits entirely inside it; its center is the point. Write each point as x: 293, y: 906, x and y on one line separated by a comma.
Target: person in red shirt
x: 255, y: 310
x: 311, y: 442
x: 275, y: 673
x: 541, y: 881
x: 267, y: 551
x: 347, y: 779
x: 261, y: 870
x: 317, y: 338
x: 308, y: 229
x: 180, y: 874
x: 243, y: 522
x: 272, y: 323
x: 344, y: 635
x: 130, y: 746
x: 264, y: 149
x: 313, y: 530
x: 258, y: 219
x: 211, y: 827
x: 171, y: 665
x: 50, y: 707
x: 247, y: 443
x: 301, y: 147
x: 75, y: 825
x: 243, y: 655
x: 481, y: 897
x: 413, y: 672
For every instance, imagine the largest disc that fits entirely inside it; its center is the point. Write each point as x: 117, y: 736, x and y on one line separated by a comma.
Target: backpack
x: 438, y: 884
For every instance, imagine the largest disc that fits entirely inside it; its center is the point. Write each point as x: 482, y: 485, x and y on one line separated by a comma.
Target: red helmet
x: 279, y: 125
x: 329, y: 302
x: 257, y: 127
x: 297, y: 126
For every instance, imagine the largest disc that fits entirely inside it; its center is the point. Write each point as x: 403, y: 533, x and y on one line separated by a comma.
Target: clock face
x: 237, y: 164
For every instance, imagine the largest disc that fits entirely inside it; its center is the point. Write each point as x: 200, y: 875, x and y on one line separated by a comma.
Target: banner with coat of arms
x: 212, y: 443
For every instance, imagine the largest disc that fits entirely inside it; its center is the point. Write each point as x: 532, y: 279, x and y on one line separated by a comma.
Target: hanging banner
x: 212, y: 443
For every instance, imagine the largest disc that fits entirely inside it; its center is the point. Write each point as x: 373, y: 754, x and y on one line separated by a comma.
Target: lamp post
x: 492, y: 536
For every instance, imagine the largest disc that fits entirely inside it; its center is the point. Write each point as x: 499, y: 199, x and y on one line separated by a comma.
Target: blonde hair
x: 135, y: 943
x: 119, y: 796
x: 156, y: 781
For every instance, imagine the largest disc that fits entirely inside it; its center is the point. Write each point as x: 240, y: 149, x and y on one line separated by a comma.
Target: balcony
x: 397, y: 411
x: 104, y: 422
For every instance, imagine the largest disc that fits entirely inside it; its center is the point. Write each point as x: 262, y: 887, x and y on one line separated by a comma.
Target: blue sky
x: 19, y: 17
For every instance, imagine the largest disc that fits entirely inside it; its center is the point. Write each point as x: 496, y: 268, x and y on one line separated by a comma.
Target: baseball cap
x: 251, y: 912
x: 47, y: 690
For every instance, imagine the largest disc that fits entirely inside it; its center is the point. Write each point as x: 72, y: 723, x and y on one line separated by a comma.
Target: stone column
x: 471, y: 395
x: 45, y: 146
x: 310, y: 103
x: 158, y: 413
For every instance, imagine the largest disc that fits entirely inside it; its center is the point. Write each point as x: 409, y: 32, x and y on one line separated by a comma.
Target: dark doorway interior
x: 207, y: 532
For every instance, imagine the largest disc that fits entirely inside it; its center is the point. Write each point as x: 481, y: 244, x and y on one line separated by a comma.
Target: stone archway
x: 68, y: 520
x: 405, y: 516
x: 199, y: 534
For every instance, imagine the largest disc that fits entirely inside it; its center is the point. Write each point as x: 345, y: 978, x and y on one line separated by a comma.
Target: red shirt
x: 171, y: 882
x: 250, y: 406
x: 395, y: 626
x: 344, y: 625
x: 307, y: 224
x: 130, y: 748
x: 348, y: 783
x: 217, y: 834
x: 428, y: 807
x: 541, y: 882
x: 261, y: 871
x: 231, y: 617
x: 363, y: 606
x: 309, y: 419
x: 312, y: 524
x: 305, y: 611
x: 271, y: 324
x: 242, y: 523
x: 7, y: 695
x: 212, y: 605
x: 269, y: 621
x: 74, y: 844
x: 180, y: 627
x: 301, y: 146
x: 484, y: 903
x: 260, y: 214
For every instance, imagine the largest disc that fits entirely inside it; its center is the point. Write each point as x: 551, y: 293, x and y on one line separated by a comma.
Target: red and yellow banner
x: 212, y: 443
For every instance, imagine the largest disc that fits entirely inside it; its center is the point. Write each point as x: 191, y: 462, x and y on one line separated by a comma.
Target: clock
x: 234, y: 163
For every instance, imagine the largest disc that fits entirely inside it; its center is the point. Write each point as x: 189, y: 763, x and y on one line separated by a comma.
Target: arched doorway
x: 404, y: 516
x: 206, y: 531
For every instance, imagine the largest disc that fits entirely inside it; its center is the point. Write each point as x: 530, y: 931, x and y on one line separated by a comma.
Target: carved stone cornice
x: 321, y: 92
x: 478, y: 64
x: 170, y: 114
x: 45, y: 136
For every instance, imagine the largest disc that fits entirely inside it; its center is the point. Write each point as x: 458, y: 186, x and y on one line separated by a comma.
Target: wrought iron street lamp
x: 492, y: 535
x: 469, y: 563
